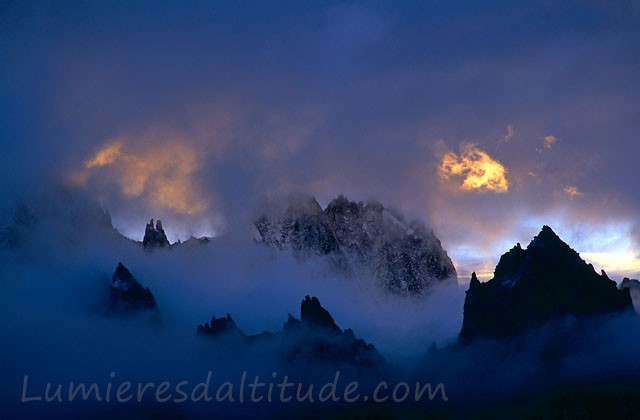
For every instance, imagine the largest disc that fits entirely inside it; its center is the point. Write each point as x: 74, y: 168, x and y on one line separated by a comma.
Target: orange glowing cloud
x: 572, y: 191
x: 549, y: 141
x: 163, y: 176
x: 480, y: 172
x: 106, y: 156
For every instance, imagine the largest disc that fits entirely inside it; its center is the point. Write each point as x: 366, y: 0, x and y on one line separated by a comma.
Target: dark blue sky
x: 207, y: 105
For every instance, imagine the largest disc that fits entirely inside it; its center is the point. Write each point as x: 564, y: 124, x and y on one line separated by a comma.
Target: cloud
x: 320, y: 98
x: 480, y: 171
x: 509, y: 135
x: 105, y: 156
x: 66, y: 289
x: 326, y: 99
x: 161, y: 174
x: 64, y: 284
x: 549, y: 141
x: 621, y: 263
x: 572, y: 191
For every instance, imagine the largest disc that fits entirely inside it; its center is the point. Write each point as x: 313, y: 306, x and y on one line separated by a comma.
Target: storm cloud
x: 215, y: 104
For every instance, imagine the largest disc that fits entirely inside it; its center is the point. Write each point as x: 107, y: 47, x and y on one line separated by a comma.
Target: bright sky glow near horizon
x: 486, y: 120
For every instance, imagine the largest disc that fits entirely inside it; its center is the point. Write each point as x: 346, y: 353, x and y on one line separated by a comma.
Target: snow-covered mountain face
x: 363, y: 239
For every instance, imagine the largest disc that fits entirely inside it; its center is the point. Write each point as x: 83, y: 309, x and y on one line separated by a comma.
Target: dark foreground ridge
x: 546, y: 281
x: 314, y: 338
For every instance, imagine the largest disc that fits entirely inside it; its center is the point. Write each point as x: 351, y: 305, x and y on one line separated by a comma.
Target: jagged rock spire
x: 128, y: 296
x: 154, y: 236
x: 221, y: 326
x: 314, y: 339
x: 474, y: 281
x: 313, y: 314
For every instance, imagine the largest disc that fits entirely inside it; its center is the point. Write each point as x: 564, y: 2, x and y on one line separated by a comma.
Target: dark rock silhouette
x: 154, y: 236
x: 530, y: 287
x: 219, y: 327
x: 314, y: 338
x: 314, y: 315
x: 405, y: 259
x: 292, y: 324
x: 128, y: 296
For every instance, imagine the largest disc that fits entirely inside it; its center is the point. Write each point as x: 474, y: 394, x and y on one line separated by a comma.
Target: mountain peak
x: 314, y: 339
x: 547, y: 237
x: 224, y: 326
x: 474, y: 281
x: 362, y: 239
x: 122, y: 273
x: 313, y: 314
x: 546, y: 229
x: 128, y: 296
x: 154, y: 236
x: 548, y: 280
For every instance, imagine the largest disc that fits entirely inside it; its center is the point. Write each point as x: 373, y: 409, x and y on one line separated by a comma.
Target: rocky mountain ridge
x: 546, y: 281
x: 128, y: 296
x: 361, y: 238
x: 313, y: 338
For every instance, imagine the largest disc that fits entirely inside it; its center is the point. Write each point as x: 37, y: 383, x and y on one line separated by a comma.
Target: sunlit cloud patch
x: 163, y: 175
x: 478, y: 171
x: 549, y: 141
x: 572, y: 191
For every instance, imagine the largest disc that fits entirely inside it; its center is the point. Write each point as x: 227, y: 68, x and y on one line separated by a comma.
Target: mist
x: 56, y: 294
x: 484, y: 121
